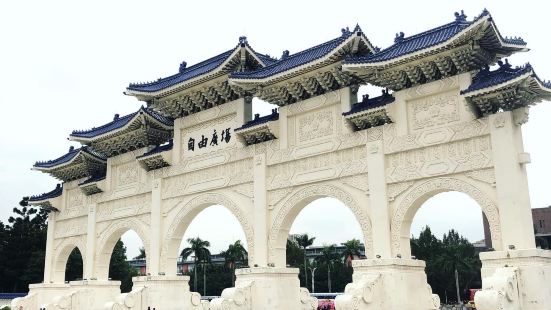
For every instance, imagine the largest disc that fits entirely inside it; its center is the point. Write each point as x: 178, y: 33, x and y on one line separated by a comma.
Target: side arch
x: 109, y: 237
x: 281, y: 223
x: 63, y: 250
x: 187, y: 212
x: 415, y: 197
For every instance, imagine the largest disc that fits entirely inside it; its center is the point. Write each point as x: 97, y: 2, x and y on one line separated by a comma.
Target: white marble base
x: 388, y: 284
x: 266, y: 288
x: 515, y: 279
x: 39, y: 294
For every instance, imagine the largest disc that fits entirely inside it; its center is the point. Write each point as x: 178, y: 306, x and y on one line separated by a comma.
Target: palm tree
x: 234, y: 255
x: 201, y: 253
x: 142, y: 253
x: 352, y: 248
x: 305, y: 241
x: 327, y: 258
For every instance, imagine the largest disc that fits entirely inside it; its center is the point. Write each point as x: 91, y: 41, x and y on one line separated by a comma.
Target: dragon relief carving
x: 437, y: 110
x: 316, y: 125
x: 438, y: 185
x: 319, y: 190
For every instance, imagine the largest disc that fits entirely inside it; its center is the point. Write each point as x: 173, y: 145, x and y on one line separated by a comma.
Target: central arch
x: 187, y: 212
x: 414, y: 198
x: 109, y: 238
x: 282, y: 221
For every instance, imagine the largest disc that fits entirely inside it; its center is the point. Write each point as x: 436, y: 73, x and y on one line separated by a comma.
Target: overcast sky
x: 65, y: 64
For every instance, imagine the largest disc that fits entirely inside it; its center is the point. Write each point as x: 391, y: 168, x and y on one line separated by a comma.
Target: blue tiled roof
x: 12, y: 295
x: 119, y: 122
x: 371, y: 103
x: 68, y: 157
x: 158, y: 149
x: 196, y: 70
x: 274, y: 116
x: 94, y: 178
x: 486, y: 78
x: 298, y: 59
x: 407, y: 45
x: 52, y: 194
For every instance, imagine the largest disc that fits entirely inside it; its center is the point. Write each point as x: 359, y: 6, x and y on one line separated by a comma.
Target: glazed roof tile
x: 486, y: 78
x: 119, y: 122
x: 196, y: 70
x: 260, y: 120
x: 49, y: 195
x: 68, y: 157
x: 371, y: 103
x: 297, y: 59
x: 407, y: 45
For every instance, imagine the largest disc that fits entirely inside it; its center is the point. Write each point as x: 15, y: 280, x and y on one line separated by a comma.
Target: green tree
x: 120, y: 269
x: 22, y: 247
x: 201, y: 253
x: 305, y: 241
x: 327, y: 258
x: 352, y: 249
x: 294, y: 253
x: 234, y: 255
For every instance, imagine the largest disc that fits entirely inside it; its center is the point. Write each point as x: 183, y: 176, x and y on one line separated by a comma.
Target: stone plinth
x: 515, y: 279
x: 388, y: 284
x: 266, y: 288
x: 39, y: 294
x: 159, y: 292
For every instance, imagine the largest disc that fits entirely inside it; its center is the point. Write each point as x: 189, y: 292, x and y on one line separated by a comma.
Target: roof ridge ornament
x: 399, y: 37
x: 116, y: 117
x: 71, y: 148
x: 460, y: 17
x: 345, y: 31
x: 285, y: 54
x: 183, y: 66
x: 243, y: 41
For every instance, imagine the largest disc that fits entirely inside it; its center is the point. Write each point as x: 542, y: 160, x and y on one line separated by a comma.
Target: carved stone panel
x: 464, y: 155
x: 209, y: 136
x: 315, y: 125
x: 124, y: 207
x: 74, y: 204
x: 317, y: 168
x: 72, y: 227
x: 436, y: 110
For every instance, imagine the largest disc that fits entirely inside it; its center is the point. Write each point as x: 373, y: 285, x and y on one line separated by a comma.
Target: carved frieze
x: 74, y: 204
x: 464, y: 155
x: 127, y: 174
x: 436, y: 110
x: 209, y: 178
x: 124, y: 207
x: 321, y: 167
x: 71, y: 227
x: 316, y: 125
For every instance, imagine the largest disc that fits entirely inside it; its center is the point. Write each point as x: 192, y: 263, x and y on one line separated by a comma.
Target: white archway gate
x: 451, y: 124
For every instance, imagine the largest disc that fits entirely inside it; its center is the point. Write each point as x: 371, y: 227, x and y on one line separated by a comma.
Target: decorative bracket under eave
x: 260, y: 129
x: 370, y: 112
x: 157, y: 157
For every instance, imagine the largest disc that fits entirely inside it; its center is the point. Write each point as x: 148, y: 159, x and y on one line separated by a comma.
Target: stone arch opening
x: 284, y: 218
x: 63, y: 251
x: 414, y: 198
x: 74, y: 269
x: 109, y: 238
x: 188, y: 211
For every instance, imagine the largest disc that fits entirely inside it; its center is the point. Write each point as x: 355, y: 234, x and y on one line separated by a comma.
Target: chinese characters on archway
x: 215, y: 139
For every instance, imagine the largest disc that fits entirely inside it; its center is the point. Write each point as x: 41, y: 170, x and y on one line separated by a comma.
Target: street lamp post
x: 313, y: 270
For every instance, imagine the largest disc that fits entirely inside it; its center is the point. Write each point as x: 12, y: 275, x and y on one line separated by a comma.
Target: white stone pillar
x: 260, y: 213
x: 89, y: 259
x: 283, y: 136
x: 380, y: 218
x: 511, y: 183
x: 154, y: 253
x: 48, y: 261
